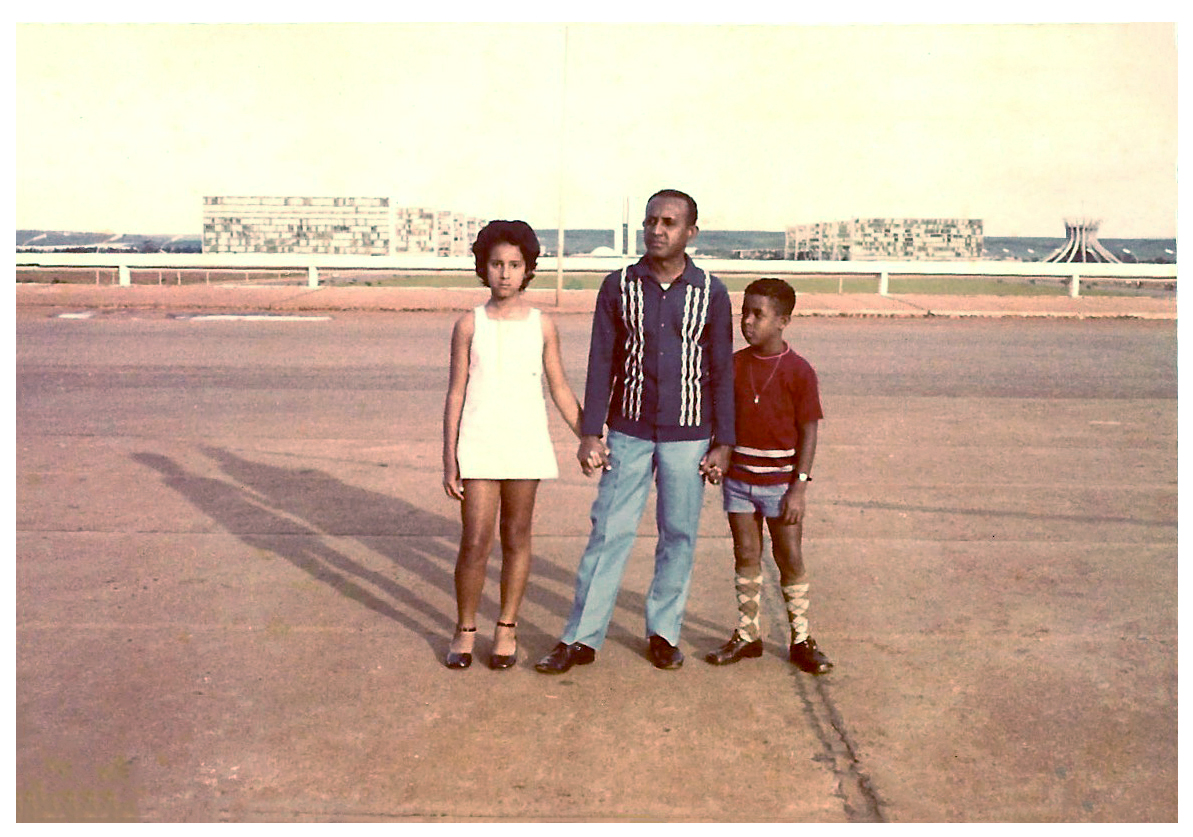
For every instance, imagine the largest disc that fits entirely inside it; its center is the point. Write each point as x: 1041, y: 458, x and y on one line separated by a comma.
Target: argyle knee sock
x: 796, y: 598
x: 749, y: 606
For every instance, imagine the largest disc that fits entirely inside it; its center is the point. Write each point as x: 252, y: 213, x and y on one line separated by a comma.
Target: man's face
x: 666, y: 228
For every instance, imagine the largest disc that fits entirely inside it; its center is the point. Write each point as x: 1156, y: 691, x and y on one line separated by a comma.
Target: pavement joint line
x: 910, y: 303
x: 336, y: 813
x: 860, y: 800
x: 861, y: 803
x: 189, y: 626
x: 305, y: 294
x: 256, y: 317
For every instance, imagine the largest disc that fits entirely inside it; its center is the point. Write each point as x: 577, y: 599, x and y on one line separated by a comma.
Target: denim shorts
x: 744, y: 498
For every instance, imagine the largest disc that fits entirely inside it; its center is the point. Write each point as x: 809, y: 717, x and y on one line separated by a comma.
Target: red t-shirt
x: 772, y: 397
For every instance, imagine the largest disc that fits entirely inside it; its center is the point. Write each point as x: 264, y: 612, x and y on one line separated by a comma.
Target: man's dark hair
x: 517, y: 233
x: 683, y: 196
x: 777, y: 290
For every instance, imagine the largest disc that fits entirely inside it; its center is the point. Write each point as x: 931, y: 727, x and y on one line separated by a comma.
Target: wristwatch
x: 804, y: 477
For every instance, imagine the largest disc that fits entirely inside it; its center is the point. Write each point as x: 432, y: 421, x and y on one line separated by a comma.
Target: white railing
x: 1072, y: 272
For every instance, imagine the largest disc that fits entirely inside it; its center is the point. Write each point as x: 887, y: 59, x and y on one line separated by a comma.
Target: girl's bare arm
x: 561, y: 391
x: 563, y: 396
x: 453, y: 406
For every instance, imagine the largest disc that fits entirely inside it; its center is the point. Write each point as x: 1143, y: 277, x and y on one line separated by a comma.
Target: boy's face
x: 761, y: 324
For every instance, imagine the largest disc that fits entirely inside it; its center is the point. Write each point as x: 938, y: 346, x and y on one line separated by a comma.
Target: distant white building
x: 886, y: 239
x: 414, y: 230
x: 368, y: 226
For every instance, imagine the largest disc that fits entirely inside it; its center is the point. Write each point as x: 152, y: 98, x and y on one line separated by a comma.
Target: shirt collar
x: 693, y: 275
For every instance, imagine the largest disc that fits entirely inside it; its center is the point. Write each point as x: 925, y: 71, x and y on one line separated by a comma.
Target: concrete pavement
x: 233, y: 586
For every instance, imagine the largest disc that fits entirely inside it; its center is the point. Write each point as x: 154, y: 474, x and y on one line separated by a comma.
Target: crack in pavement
x: 854, y: 786
x: 859, y: 799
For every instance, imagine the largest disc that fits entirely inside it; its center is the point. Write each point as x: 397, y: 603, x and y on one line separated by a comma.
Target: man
x: 660, y: 371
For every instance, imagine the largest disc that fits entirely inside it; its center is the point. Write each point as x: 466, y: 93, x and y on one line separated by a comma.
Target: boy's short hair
x: 777, y: 290
x: 517, y: 233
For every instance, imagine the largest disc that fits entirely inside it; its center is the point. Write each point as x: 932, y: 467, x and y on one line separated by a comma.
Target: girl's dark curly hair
x: 517, y: 233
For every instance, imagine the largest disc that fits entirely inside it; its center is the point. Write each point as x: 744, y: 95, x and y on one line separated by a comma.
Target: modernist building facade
x: 886, y: 239
x: 357, y: 226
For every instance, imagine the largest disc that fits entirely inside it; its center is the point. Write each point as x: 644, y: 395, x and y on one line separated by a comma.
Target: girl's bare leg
x: 478, y: 512
x: 517, y: 512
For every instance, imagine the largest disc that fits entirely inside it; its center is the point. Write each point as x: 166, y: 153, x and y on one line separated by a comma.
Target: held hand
x: 710, y: 472
x: 598, y: 460
x: 592, y: 455
x: 795, y: 503
x: 715, y: 463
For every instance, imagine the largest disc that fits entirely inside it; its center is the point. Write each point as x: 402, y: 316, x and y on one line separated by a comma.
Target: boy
x: 777, y: 408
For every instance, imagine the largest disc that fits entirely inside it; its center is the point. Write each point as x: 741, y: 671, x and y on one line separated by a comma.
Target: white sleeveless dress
x: 503, y: 429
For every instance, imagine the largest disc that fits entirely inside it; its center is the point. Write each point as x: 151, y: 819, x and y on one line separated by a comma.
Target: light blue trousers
x: 616, y: 513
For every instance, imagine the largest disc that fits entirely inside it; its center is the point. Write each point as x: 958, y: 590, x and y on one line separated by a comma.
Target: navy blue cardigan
x: 660, y: 364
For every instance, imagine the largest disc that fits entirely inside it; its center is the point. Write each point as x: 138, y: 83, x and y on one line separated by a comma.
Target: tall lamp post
x: 563, y: 90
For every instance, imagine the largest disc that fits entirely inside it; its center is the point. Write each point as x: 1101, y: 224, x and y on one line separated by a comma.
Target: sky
x: 126, y: 127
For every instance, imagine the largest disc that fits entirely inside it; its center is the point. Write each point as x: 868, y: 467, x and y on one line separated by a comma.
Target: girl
x: 496, y: 446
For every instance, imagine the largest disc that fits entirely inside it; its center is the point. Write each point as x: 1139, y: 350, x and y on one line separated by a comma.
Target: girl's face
x: 506, y: 270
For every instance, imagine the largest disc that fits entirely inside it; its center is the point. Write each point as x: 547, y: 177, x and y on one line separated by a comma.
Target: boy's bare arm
x: 795, y: 501
x: 807, y: 447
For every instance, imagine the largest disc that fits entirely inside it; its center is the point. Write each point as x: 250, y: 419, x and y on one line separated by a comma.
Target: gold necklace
x: 758, y: 392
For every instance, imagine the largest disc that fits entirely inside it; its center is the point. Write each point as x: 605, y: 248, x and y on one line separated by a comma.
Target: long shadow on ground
x: 290, y: 511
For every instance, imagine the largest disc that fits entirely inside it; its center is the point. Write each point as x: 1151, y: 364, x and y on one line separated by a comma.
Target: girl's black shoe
x: 461, y: 660
x: 500, y: 661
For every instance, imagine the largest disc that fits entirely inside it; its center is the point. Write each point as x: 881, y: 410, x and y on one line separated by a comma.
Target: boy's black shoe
x: 735, y: 649
x: 810, y: 658
x: 563, y: 657
x: 663, y: 654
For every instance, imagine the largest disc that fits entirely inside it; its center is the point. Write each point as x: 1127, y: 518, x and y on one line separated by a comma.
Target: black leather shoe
x: 735, y: 649
x: 459, y: 660
x: 455, y: 660
x: 810, y: 658
x: 663, y: 654
x: 563, y: 657
x: 501, y: 661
